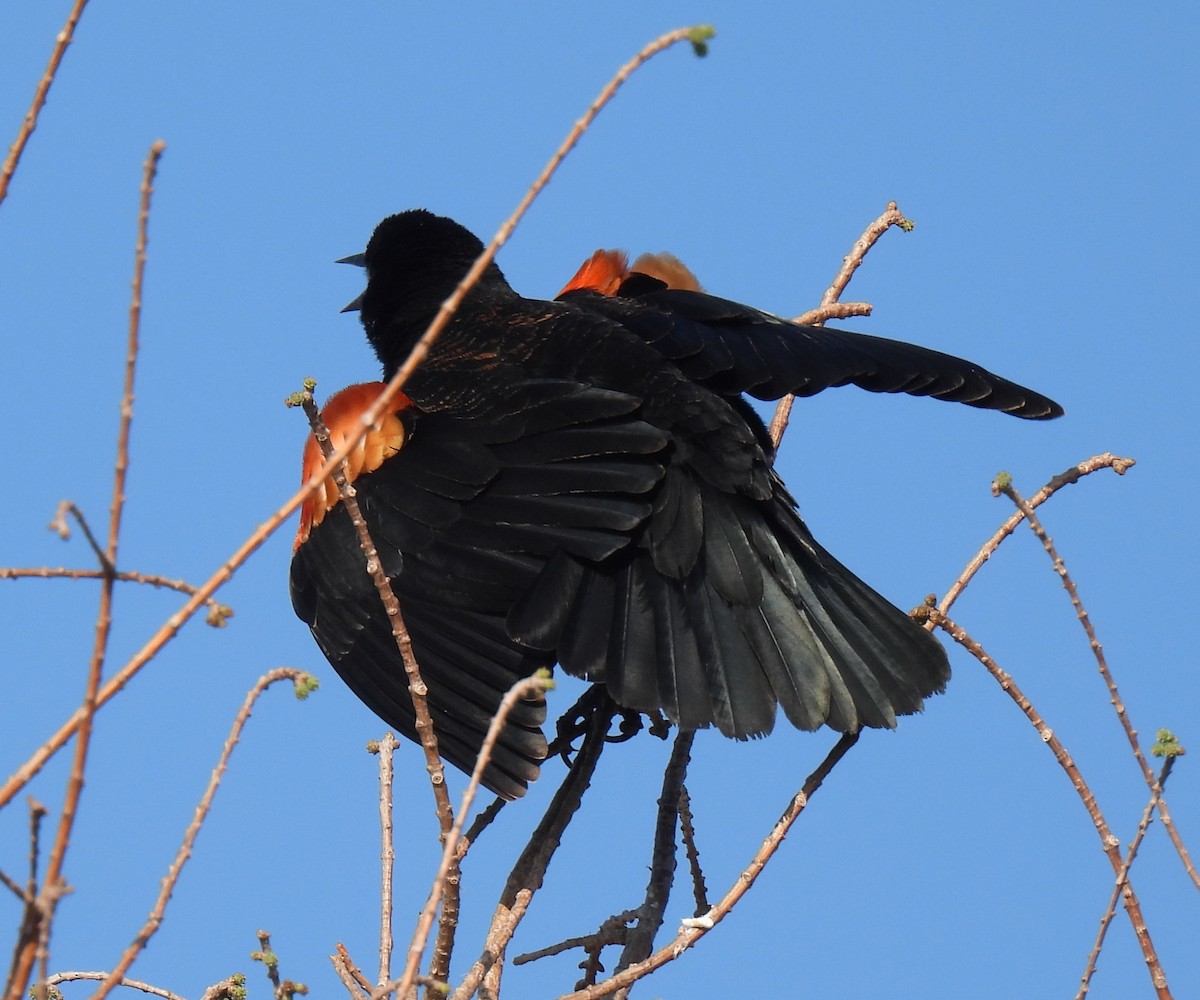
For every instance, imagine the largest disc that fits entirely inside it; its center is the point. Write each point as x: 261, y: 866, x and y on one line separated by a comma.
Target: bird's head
x: 413, y: 261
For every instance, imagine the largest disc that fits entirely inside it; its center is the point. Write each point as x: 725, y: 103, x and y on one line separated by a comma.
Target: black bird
x: 582, y: 482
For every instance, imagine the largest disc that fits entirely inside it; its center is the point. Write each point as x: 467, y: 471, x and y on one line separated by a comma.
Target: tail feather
x: 764, y: 618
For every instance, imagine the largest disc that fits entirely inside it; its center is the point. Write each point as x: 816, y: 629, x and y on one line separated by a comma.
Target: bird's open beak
x: 358, y: 260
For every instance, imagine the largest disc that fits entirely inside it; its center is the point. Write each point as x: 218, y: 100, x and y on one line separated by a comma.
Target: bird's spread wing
x: 725, y: 607
x: 734, y: 348
x: 464, y: 517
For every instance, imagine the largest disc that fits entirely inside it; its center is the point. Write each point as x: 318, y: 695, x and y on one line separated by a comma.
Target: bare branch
x: 61, y: 528
x: 834, y: 310
x: 1110, y: 843
x: 283, y: 989
x: 304, y: 683
x: 133, y: 984
x: 613, y: 931
x: 528, y: 873
x: 218, y: 614
x: 29, y: 123
x: 357, y: 985
x: 537, y: 684
x: 1123, y: 876
x: 33, y: 915
x: 692, y: 930
x: 386, y: 748
x: 233, y: 988
x: 66, y: 823
x: 828, y: 309
x: 1003, y: 484
x: 374, y: 567
x: 640, y: 939
x: 1107, y: 460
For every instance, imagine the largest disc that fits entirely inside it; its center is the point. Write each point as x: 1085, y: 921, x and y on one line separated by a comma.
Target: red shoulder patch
x: 606, y: 270
x: 602, y: 272
x: 343, y: 415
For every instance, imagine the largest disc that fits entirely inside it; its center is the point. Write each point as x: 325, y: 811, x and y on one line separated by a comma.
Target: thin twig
x: 233, y: 988
x: 834, y: 310
x: 218, y: 614
x: 426, y: 733
x: 612, y: 931
x: 529, y: 871
x: 304, y: 683
x: 61, y: 528
x: 66, y: 823
x: 1003, y: 484
x: 1107, y: 460
x: 447, y: 922
x: 269, y: 960
x: 13, y: 886
x: 386, y: 748
x: 1109, y: 843
x: 1123, y: 876
x: 434, y: 986
x: 133, y: 984
x: 357, y: 985
x: 283, y: 989
x: 538, y: 684
x: 693, y: 930
x: 892, y: 216
x: 31, y: 918
x: 29, y: 123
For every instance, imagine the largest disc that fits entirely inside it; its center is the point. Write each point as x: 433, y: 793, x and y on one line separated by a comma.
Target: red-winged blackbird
x: 581, y: 482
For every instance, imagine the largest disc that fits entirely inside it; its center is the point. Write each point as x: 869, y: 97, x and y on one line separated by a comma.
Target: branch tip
x: 700, y: 36
x: 304, y: 684
x: 1166, y: 744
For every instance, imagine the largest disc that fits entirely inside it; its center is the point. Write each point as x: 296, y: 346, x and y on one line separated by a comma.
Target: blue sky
x: 1048, y: 155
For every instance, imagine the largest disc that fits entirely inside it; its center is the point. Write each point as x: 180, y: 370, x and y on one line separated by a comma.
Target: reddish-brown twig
x: 357, y: 985
x: 538, y: 684
x: 32, y: 920
x: 62, y: 839
x: 304, y: 683
x: 218, y: 614
x: 1003, y: 484
x: 1107, y: 460
x: 1109, y: 843
x: 59, y: 525
x: 282, y: 989
x: 529, y: 872
x: 694, y: 929
x: 386, y: 748
x: 373, y: 566
x: 834, y: 310
x: 133, y: 984
x: 233, y: 988
x: 1122, y: 876
x: 829, y: 309
x: 29, y: 123
x: 611, y: 931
